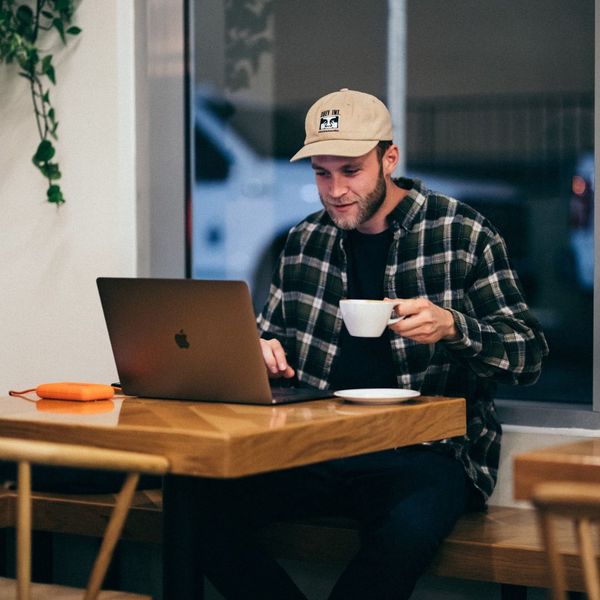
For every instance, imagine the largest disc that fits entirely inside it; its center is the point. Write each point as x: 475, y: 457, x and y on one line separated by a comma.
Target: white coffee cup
x: 368, y: 318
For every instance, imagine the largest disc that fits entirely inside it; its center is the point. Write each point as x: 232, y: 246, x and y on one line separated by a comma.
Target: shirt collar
x: 405, y: 213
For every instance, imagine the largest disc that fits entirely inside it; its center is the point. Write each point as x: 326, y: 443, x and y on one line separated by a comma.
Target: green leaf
x: 25, y: 14
x: 50, y: 170
x: 48, y: 69
x: 62, y: 4
x: 24, y: 22
x: 45, y: 151
x: 58, y: 25
x: 55, y: 194
x: 74, y: 30
x: 46, y: 97
x: 48, y: 14
x: 29, y: 59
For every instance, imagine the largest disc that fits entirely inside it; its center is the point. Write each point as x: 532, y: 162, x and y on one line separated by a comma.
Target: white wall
x: 51, y: 326
x: 517, y: 439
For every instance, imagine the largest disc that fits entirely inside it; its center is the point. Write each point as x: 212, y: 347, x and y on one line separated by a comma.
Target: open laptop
x: 190, y: 340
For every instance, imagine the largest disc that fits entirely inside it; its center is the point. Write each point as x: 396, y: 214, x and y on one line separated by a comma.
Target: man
x: 465, y: 327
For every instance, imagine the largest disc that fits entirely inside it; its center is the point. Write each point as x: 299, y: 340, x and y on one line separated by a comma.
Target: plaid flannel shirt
x: 442, y: 250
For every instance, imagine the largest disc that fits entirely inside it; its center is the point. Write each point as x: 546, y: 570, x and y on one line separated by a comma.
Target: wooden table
x: 575, y: 461
x: 232, y: 440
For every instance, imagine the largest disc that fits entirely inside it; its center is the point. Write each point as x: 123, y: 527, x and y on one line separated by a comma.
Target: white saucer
x: 376, y: 395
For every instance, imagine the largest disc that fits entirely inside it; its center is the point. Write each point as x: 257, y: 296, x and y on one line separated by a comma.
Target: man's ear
x: 390, y: 159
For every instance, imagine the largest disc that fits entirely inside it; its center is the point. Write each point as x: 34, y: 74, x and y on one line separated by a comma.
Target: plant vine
x: 21, y: 28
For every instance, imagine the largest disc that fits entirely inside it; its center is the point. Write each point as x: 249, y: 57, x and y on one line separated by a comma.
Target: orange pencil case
x: 65, y: 390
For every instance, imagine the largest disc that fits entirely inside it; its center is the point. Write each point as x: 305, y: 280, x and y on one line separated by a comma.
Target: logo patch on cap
x: 330, y: 120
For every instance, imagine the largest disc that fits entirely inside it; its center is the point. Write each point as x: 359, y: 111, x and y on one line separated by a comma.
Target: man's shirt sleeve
x: 501, y: 339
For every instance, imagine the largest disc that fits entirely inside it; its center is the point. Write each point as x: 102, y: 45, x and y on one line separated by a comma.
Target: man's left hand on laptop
x: 275, y: 359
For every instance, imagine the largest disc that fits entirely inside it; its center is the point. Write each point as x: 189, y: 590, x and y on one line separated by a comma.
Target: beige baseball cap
x: 345, y: 123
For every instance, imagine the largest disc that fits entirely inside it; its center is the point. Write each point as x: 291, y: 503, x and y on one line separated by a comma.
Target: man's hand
x: 424, y: 321
x: 275, y: 359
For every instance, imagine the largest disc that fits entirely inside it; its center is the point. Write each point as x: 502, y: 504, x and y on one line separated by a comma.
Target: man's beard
x: 367, y: 206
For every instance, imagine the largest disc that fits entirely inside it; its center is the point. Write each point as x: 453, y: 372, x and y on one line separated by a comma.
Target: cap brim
x: 335, y: 148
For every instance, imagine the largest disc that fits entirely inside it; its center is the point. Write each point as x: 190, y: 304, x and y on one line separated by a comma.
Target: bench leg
x: 513, y: 592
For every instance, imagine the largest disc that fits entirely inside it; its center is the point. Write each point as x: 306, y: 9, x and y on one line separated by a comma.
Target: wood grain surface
x: 576, y: 461
x: 230, y: 440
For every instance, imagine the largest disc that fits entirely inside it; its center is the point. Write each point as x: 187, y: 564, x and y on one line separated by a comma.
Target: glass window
x: 499, y: 114
x: 501, y: 100
x: 258, y: 66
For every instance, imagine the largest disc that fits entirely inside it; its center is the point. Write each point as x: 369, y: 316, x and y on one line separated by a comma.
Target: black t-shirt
x: 365, y: 362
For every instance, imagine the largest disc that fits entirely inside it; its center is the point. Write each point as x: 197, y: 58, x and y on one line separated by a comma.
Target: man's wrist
x: 451, y: 330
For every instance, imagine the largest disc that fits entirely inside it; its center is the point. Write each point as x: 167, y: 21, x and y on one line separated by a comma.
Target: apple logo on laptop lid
x: 181, y: 339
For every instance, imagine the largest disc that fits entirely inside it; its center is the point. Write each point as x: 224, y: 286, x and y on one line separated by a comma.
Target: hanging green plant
x: 21, y: 28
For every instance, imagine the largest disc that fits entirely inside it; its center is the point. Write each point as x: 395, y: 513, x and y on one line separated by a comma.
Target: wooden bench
x: 85, y: 515
x: 499, y: 545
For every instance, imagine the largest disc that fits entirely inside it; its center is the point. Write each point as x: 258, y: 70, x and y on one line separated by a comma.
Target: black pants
x: 405, y: 500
